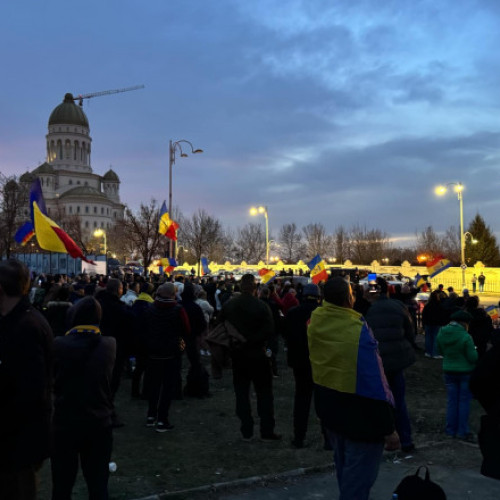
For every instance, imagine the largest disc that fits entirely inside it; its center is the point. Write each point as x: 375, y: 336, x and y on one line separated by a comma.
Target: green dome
x: 27, y: 177
x: 44, y: 168
x: 68, y: 113
x: 110, y: 175
x: 85, y: 191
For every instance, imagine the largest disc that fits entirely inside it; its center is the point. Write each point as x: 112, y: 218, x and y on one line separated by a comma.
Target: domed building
x: 69, y: 185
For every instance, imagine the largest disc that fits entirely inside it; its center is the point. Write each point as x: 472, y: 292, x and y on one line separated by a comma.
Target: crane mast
x: 81, y: 97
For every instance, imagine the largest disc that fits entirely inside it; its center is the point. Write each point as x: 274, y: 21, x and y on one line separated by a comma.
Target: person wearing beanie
x: 459, y: 360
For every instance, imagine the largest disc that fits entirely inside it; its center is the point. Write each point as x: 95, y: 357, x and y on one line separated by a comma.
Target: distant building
x: 69, y: 185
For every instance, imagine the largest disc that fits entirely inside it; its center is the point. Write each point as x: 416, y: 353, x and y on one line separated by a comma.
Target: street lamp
x: 98, y: 233
x: 173, y: 147
x: 263, y: 210
x: 458, y: 187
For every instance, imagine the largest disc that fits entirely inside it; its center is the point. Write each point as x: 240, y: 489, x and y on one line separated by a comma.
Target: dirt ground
x: 205, y: 447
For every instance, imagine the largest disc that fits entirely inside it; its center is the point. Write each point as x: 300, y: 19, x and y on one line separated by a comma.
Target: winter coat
x: 393, y: 328
x: 457, y: 347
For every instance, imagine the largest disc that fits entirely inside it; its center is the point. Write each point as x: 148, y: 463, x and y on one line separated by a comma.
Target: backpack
x: 413, y: 487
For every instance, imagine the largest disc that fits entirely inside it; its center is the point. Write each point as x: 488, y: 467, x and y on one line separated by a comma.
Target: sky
x: 332, y: 112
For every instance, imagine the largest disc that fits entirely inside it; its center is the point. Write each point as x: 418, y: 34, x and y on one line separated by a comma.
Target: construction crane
x: 81, y: 97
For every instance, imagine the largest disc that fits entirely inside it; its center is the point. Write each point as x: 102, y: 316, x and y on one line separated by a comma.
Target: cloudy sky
x: 325, y: 111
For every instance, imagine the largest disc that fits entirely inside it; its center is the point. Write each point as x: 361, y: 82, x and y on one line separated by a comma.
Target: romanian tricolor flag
x: 169, y: 264
x: 419, y: 281
x: 492, y: 312
x: 25, y: 233
x: 266, y: 275
x: 437, y: 265
x: 204, y: 265
x: 168, y: 227
x: 52, y: 238
x: 318, y: 271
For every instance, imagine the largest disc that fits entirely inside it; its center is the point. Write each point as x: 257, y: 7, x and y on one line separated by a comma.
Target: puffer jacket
x: 393, y: 328
x: 457, y: 347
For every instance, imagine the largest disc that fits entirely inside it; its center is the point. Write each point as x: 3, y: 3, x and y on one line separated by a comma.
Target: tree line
x: 204, y: 235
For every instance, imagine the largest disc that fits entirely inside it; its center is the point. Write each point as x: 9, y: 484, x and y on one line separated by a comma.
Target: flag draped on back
x: 204, y: 265
x: 492, y: 312
x: 318, y: 271
x: 266, y: 275
x: 167, y: 226
x: 51, y: 237
x: 437, y: 265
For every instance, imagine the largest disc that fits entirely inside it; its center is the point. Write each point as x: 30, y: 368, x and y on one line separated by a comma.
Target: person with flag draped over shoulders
x: 352, y: 396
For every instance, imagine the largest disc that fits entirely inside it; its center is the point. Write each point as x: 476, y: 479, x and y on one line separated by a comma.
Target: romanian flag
x: 168, y: 263
x: 419, y: 281
x: 204, y: 265
x: 52, y: 238
x: 266, y: 275
x: 437, y: 265
x: 168, y: 227
x: 25, y: 233
x: 318, y: 271
x: 492, y: 312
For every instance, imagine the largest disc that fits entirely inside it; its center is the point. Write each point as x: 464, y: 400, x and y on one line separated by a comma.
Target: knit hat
x: 461, y: 316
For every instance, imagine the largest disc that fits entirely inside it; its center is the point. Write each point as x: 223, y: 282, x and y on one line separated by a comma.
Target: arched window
x: 102, y: 210
x: 86, y: 210
x: 70, y: 209
x: 67, y: 149
x: 86, y: 223
x: 70, y: 182
x: 95, y: 224
x: 59, y: 150
x: 78, y: 209
x: 95, y: 210
x: 75, y: 149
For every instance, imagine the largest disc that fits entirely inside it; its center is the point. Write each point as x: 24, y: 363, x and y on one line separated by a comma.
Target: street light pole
x: 172, y: 148
x: 100, y: 232
x: 263, y: 210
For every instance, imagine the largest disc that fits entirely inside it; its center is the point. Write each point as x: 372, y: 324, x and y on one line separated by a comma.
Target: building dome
x: 83, y: 191
x: 110, y: 175
x: 27, y: 177
x: 68, y: 113
x: 44, y: 168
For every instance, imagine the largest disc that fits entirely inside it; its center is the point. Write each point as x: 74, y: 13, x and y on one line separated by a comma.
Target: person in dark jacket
x: 166, y: 326
x: 266, y: 294
x: 57, y: 310
x: 393, y: 328
x: 351, y: 393
x: 25, y: 385
x: 433, y: 318
x: 254, y: 321
x: 481, y: 325
x: 295, y: 334
x: 83, y: 404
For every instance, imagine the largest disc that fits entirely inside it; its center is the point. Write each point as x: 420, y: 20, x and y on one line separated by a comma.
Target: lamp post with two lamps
x: 263, y: 210
x: 175, y: 146
x: 458, y: 188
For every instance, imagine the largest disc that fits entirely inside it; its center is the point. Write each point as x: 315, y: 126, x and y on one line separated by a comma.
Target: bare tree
x: 250, y: 243
x: 368, y: 244
x: 142, y: 230
x: 429, y: 243
x: 202, y: 235
x: 451, y: 245
x: 341, y: 244
x: 290, y: 240
x: 317, y: 241
x: 13, y: 204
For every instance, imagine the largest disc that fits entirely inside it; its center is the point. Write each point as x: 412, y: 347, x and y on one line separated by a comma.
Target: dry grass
x: 205, y: 446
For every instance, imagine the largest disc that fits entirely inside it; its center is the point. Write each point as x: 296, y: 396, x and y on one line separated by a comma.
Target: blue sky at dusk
x: 325, y: 111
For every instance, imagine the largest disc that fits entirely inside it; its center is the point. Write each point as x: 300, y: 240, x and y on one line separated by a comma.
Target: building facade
x: 69, y: 185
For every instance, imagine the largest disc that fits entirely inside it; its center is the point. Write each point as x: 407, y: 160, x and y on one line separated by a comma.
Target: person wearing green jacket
x: 459, y: 359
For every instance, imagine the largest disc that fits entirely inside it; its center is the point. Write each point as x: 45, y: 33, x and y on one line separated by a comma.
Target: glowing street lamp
x: 173, y: 147
x: 98, y: 233
x: 458, y: 188
x: 263, y: 210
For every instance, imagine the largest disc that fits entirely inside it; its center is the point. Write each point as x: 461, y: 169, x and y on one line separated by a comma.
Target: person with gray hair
x: 25, y: 385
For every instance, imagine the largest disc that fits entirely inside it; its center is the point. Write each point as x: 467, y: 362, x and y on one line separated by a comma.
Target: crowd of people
x: 65, y: 343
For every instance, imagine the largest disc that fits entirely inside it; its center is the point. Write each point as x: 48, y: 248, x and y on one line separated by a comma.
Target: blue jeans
x: 398, y: 388
x: 458, y: 405
x: 431, y: 332
x: 356, y: 465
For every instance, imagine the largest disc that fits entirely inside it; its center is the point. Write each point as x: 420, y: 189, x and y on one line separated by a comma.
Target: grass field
x: 205, y: 447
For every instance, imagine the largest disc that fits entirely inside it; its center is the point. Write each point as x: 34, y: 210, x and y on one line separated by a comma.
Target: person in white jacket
x: 208, y: 312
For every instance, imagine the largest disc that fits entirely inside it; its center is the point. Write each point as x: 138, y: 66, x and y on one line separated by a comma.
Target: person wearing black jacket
x: 481, y: 326
x: 83, y: 404
x: 25, y: 385
x: 295, y: 334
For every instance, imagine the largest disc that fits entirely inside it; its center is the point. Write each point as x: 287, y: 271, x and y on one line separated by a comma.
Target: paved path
x: 458, y: 483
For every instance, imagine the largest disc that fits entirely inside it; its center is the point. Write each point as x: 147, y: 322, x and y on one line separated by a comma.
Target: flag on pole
x: 52, y: 238
x: 318, y: 271
x: 25, y: 233
x: 437, y: 265
x: 419, y: 281
x: 167, y: 226
x: 266, y: 275
x: 204, y: 265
